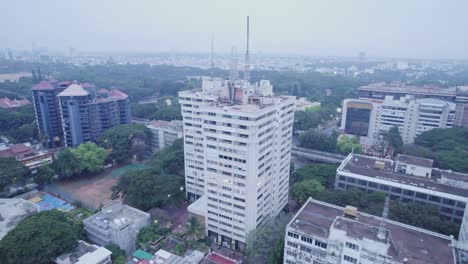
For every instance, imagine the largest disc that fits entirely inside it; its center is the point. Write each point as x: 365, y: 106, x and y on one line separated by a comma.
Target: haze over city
x: 412, y: 29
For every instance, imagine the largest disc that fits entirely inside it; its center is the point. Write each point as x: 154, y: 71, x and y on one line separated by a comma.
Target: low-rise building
x: 303, y: 104
x: 31, y: 157
x: 12, y: 104
x: 85, y: 253
x: 116, y: 223
x: 407, y: 179
x: 164, y: 133
x: 324, y: 233
x: 12, y: 211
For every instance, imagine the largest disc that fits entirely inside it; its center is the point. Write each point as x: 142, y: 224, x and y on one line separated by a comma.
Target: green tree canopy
x: 159, y: 110
x: 323, y: 173
x: 313, y: 139
x: 67, y: 164
x: 347, y: 145
x: 171, y: 159
x: 149, y: 188
x: 11, y: 171
x: 39, y: 238
x: 118, y: 255
x: 44, y: 175
x: 449, y: 147
x: 124, y: 141
x: 301, y: 191
x: 90, y: 156
x: 261, y: 241
x: 151, y: 233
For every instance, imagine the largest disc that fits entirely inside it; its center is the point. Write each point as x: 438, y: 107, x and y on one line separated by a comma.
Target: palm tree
x: 195, y: 230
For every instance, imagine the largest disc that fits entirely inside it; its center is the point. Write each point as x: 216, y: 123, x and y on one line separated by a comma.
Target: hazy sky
x: 397, y: 28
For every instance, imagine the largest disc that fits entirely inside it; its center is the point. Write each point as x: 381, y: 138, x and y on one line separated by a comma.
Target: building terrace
x: 416, y: 245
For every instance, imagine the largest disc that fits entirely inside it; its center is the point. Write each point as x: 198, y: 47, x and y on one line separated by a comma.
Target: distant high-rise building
x: 237, y: 146
x: 369, y: 118
x: 46, y: 105
x: 70, y: 113
x: 362, y: 56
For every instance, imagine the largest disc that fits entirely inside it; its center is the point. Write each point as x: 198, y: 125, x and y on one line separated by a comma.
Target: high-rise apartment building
x: 70, y: 113
x: 46, y: 106
x: 370, y: 118
x: 237, y: 146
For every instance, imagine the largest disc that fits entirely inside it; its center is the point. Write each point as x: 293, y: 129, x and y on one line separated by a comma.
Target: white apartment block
x: 369, y: 118
x: 164, y: 133
x: 237, y: 147
x: 322, y: 233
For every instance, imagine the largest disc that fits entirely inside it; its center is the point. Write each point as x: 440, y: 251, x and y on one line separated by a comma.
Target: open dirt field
x: 92, y: 191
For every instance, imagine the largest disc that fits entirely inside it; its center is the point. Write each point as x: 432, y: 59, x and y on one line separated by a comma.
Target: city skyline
x: 420, y: 29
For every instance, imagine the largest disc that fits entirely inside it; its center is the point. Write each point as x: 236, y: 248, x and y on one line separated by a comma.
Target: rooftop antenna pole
x: 381, y: 233
x: 247, y: 55
x: 212, y: 55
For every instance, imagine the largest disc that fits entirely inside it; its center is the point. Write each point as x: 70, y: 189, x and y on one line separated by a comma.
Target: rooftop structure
x: 116, y: 223
x: 31, y: 157
x: 10, y: 104
x: 85, y: 253
x: 325, y: 233
x: 12, y: 211
x: 164, y: 133
x: 408, y: 179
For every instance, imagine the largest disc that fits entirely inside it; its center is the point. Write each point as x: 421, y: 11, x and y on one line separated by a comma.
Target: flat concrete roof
x: 12, y: 211
x: 419, y: 246
x: 365, y: 166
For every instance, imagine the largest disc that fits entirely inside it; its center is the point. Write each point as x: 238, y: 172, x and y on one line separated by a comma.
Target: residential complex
x: 237, y: 149
x: 164, y: 133
x: 85, y: 253
x: 407, y: 179
x: 324, y: 233
x: 70, y: 113
x: 370, y: 118
x: 116, y: 223
x: 12, y: 104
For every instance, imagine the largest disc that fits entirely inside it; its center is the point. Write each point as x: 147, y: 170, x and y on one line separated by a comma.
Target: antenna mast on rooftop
x: 212, y: 55
x: 381, y: 233
x: 247, y: 55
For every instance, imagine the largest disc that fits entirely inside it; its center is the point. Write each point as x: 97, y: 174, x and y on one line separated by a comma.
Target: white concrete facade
x: 322, y: 233
x: 164, y: 133
x: 237, y: 144
x: 411, y: 117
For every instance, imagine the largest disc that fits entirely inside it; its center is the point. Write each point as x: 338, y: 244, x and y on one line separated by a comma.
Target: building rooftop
x: 7, y: 103
x: 419, y: 246
x: 175, y: 125
x: 384, y: 169
x: 84, y: 253
x: 116, y: 216
x: 407, y: 89
x: 12, y: 211
x: 74, y: 90
x: 414, y: 160
x: 43, y: 85
x: 114, y: 94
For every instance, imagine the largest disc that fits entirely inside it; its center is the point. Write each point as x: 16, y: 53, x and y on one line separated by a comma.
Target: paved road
x: 316, y: 155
